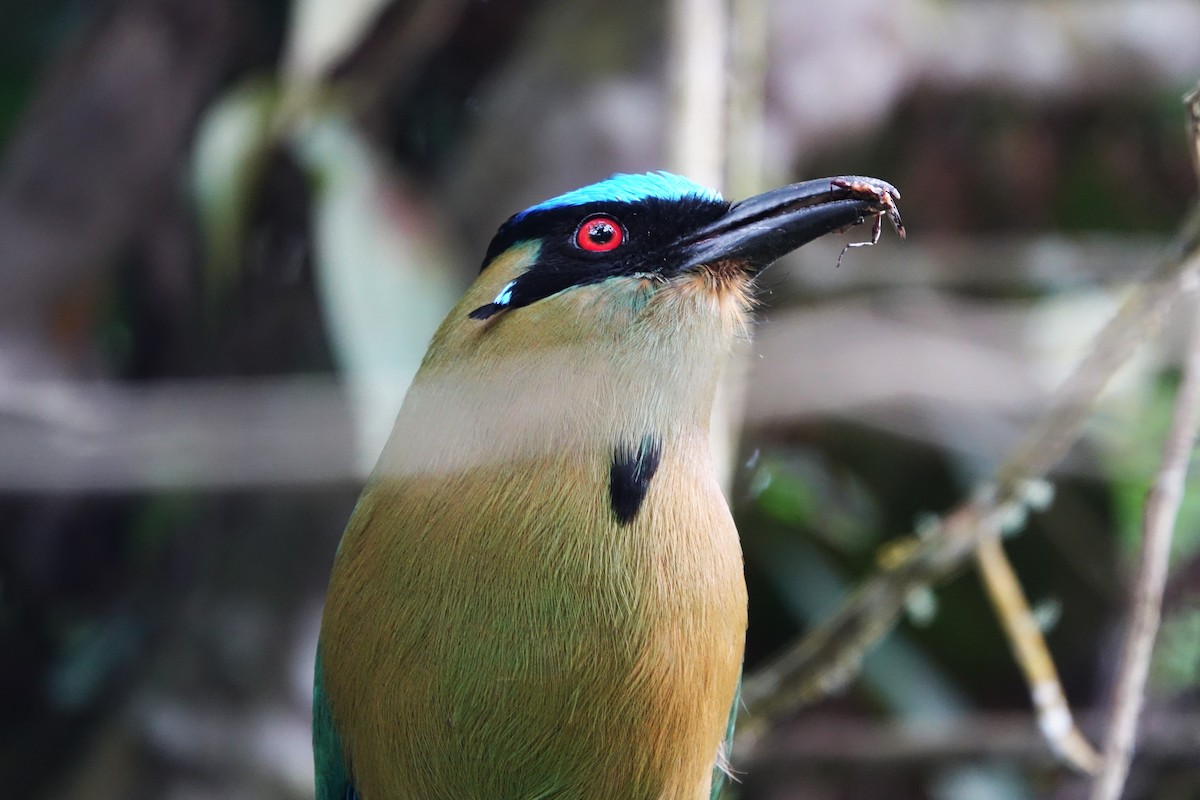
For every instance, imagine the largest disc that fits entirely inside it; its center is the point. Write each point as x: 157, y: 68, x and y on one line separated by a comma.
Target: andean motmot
x: 540, y: 593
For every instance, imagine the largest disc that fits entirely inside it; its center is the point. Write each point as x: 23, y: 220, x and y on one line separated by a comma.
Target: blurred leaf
x: 1047, y: 613
x: 804, y: 490
x: 1132, y: 464
x: 1177, y: 652
x: 384, y: 271
x: 90, y: 655
x: 155, y: 521
x: 29, y: 31
x: 232, y: 140
x: 896, y: 671
x: 322, y: 32
x: 921, y: 606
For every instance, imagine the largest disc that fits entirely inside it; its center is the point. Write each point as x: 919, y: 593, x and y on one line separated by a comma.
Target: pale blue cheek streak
x: 505, y: 296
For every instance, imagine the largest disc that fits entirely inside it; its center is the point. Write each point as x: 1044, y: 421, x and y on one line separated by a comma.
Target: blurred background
x: 228, y: 228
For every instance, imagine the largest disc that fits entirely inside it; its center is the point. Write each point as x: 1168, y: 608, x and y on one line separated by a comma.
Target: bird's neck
x: 497, y: 398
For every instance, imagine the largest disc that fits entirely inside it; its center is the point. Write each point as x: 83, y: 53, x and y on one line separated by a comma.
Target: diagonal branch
x: 1158, y: 525
x: 1033, y: 656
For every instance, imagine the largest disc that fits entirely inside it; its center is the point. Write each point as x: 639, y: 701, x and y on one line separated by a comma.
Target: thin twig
x: 1033, y: 656
x: 1158, y: 525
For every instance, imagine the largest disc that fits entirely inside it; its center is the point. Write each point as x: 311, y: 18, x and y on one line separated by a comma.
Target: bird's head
x: 630, y: 290
x: 665, y: 233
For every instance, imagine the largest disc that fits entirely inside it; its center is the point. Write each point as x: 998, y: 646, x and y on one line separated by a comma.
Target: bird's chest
x: 530, y: 643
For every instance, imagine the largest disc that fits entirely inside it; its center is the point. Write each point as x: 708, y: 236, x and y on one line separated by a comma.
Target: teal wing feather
x: 721, y: 769
x: 333, y: 778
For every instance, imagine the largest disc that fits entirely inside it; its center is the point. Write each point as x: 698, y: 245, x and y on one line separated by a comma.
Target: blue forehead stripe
x: 624, y: 188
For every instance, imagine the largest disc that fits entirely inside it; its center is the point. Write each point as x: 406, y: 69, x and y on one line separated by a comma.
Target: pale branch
x: 1033, y: 656
x: 1158, y: 524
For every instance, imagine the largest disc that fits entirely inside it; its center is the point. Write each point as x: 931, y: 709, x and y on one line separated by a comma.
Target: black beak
x: 761, y: 229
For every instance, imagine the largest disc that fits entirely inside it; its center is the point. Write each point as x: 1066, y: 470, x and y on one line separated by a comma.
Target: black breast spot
x: 629, y: 476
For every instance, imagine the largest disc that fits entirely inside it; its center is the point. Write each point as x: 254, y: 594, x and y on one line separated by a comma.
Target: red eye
x: 599, y: 234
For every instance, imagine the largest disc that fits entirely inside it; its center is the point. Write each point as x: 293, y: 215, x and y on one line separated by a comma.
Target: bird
x: 540, y: 593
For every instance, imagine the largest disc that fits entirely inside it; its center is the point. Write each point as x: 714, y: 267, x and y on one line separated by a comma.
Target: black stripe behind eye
x: 629, y: 476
